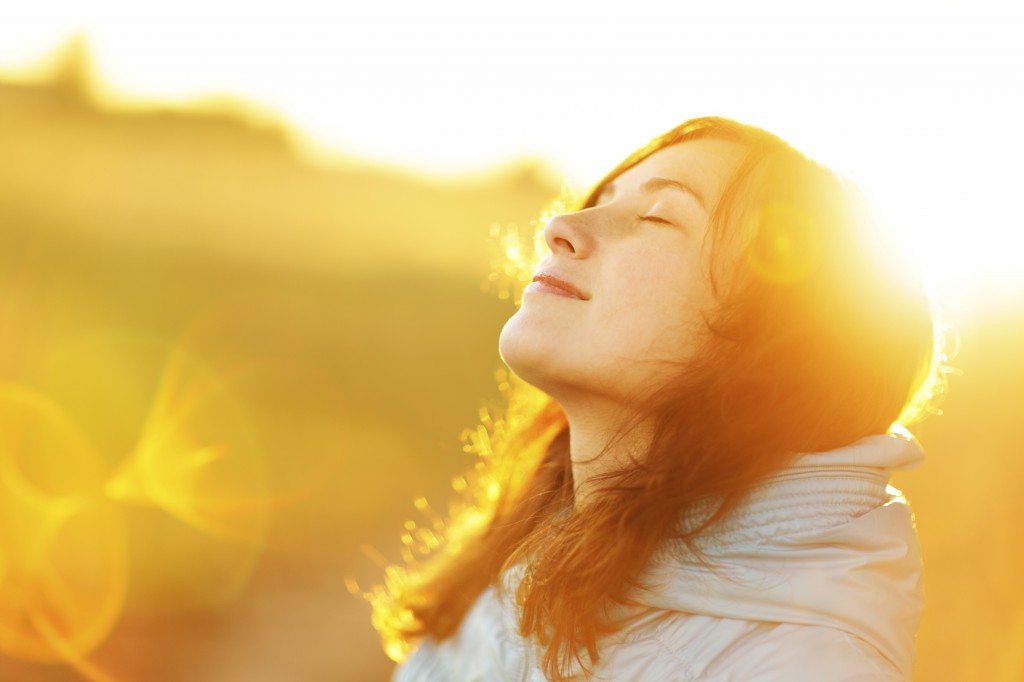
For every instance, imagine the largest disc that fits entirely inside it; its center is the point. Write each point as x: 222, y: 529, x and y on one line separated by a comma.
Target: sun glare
x: 235, y: 239
x: 428, y: 87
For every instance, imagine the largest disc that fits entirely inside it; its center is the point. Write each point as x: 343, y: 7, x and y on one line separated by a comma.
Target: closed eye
x: 655, y: 219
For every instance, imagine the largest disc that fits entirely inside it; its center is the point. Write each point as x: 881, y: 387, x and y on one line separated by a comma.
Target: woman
x: 724, y: 348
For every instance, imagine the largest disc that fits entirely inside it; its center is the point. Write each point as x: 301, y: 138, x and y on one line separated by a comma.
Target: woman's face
x: 618, y: 305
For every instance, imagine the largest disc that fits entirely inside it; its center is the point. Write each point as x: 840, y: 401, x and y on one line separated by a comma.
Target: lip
x: 551, y: 282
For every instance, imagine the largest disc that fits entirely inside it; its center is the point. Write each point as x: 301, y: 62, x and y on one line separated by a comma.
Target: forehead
x: 706, y: 164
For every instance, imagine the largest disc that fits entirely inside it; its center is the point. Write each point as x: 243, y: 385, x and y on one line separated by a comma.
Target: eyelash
x: 655, y: 219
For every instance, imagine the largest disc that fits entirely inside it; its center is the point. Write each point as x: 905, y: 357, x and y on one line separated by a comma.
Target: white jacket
x: 818, y: 579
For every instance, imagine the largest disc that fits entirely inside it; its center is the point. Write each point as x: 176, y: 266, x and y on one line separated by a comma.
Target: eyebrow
x: 657, y: 184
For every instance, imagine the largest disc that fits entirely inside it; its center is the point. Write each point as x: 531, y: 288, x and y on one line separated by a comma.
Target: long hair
x: 821, y: 335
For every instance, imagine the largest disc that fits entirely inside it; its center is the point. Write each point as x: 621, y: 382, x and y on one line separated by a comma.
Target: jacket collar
x: 824, y: 542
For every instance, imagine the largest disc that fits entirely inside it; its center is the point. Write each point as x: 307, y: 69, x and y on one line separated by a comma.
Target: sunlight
x: 367, y: 81
x: 239, y: 250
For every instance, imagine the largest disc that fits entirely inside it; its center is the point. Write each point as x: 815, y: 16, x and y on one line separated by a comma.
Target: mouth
x: 550, y: 283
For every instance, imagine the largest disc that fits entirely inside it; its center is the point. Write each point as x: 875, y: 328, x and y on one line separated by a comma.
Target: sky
x: 917, y: 101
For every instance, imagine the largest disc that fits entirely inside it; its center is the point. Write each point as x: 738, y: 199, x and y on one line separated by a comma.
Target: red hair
x: 822, y: 335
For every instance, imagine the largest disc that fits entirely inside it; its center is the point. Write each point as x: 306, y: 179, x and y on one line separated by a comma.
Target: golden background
x: 227, y: 370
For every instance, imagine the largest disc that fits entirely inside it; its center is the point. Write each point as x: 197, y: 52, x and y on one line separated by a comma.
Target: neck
x: 602, y: 437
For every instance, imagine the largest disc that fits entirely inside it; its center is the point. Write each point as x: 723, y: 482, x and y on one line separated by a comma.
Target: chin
x: 513, y: 348
x: 522, y: 352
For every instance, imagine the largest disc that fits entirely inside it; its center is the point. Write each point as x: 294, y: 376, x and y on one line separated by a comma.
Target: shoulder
x: 710, y: 649
x: 485, y: 648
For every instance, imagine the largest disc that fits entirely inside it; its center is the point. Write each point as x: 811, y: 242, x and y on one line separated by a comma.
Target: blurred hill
x: 130, y: 231
x: 222, y: 180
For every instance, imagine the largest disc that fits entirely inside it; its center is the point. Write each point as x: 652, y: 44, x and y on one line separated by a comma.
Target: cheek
x: 662, y: 303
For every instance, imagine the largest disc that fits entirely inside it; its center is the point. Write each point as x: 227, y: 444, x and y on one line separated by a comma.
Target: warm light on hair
x: 822, y: 336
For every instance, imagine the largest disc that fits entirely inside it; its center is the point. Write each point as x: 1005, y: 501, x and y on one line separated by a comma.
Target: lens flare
x: 785, y: 248
x: 196, y: 452
x: 65, y: 578
x: 136, y: 461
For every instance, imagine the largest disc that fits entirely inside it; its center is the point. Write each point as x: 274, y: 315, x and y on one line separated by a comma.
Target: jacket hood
x: 824, y: 542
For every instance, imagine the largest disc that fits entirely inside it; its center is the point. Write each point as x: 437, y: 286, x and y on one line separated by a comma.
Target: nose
x: 569, y: 234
